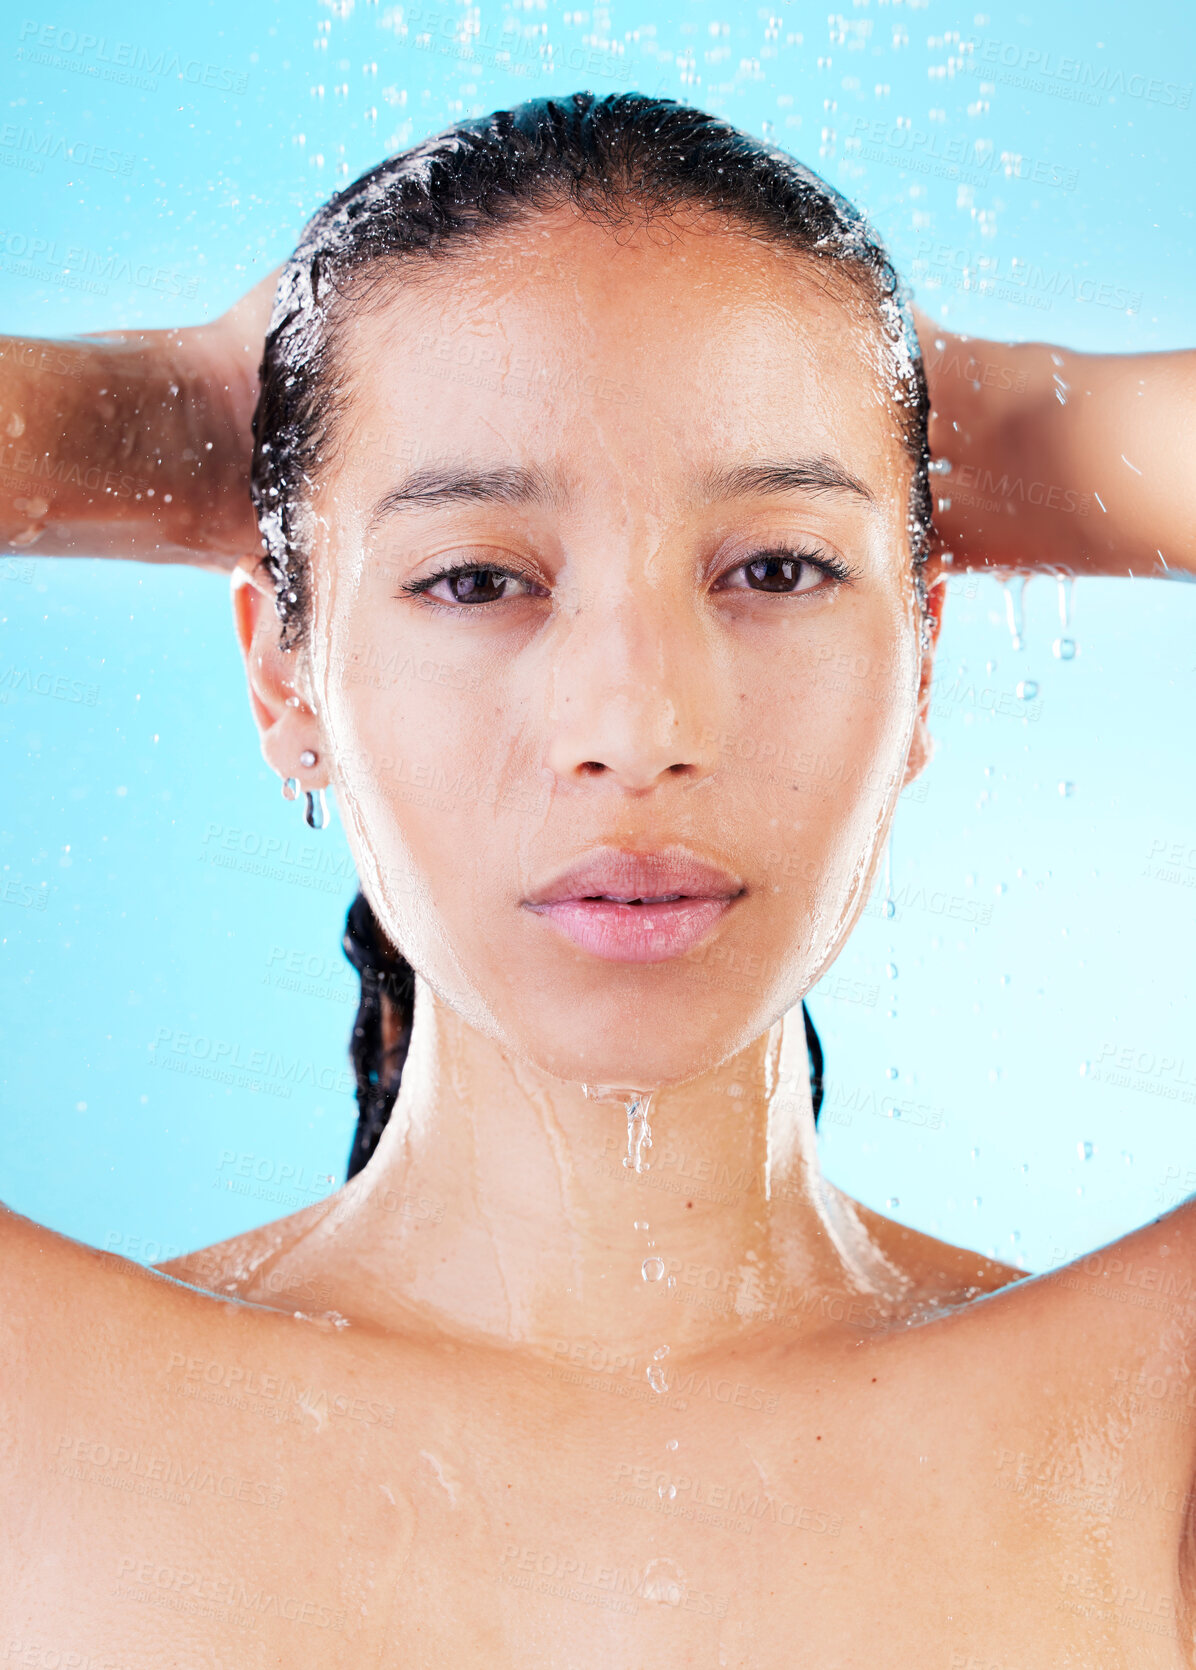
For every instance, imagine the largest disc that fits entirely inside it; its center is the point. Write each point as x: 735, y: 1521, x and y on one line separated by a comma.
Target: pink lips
x: 637, y: 907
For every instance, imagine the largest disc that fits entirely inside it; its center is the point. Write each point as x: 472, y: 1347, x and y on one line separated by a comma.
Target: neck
x: 500, y: 1205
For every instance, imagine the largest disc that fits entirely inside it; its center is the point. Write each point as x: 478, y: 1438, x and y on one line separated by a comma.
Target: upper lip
x: 615, y: 873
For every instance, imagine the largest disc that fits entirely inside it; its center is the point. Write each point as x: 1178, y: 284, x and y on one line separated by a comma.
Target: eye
x: 788, y: 572
x: 469, y: 585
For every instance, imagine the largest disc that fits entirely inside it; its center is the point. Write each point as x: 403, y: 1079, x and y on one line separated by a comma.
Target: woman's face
x: 669, y: 471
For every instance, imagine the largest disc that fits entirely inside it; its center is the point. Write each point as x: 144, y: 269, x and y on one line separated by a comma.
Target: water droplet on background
x: 653, y: 1269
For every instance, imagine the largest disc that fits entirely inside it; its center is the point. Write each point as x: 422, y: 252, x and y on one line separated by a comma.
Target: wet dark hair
x: 619, y: 160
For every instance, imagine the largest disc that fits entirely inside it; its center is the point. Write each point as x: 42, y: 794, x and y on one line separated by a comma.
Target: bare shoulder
x: 40, y: 1268
x: 1149, y: 1274
x: 252, y: 1263
x: 68, y: 1309
x: 939, y: 1271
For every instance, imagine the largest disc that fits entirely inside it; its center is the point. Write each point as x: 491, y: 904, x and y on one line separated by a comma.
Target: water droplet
x: 1084, y: 1150
x: 666, y: 1491
x: 1064, y: 649
x: 661, y: 1352
x: 892, y: 1072
x: 657, y: 1378
x: 670, y: 1443
x: 1027, y: 690
x: 1067, y: 790
x: 1066, y: 589
x: 642, y: 1223
x: 653, y: 1269
x: 893, y: 1202
x: 664, y: 1581
x: 891, y: 970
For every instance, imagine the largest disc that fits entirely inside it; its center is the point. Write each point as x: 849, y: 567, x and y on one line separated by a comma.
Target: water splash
x: 639, y: 1135
x: 1015, y: 609
x: 639, y: 1131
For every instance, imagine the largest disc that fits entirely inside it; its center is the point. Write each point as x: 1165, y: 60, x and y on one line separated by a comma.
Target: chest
x: 498, y: 1521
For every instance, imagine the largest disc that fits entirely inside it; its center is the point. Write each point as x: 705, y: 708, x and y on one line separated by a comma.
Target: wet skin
x: 453, y: 1451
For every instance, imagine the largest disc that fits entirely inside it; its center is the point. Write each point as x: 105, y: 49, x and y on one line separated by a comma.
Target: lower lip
x: 635, y: 933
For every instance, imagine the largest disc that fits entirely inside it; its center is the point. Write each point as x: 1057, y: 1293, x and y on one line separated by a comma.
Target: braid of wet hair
x: 382, y: 1030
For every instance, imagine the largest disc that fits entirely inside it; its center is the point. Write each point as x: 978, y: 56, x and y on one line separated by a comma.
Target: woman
x: 615, y: 416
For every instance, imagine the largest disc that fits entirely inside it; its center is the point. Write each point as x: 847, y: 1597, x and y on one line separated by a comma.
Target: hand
x: 220, y: 364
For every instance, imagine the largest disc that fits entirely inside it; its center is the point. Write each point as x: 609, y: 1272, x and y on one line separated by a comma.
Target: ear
x: 921, y: 748
x: 277, y: 682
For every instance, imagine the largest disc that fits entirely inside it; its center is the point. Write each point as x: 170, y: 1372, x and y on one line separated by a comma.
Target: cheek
x: 434, y: 782
x: 824, y: 761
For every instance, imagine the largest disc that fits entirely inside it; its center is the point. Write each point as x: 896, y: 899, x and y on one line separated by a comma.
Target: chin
x: 642, y: 1044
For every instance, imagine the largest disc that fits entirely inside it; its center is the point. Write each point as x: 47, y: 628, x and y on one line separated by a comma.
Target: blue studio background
x: 1009, y: 1034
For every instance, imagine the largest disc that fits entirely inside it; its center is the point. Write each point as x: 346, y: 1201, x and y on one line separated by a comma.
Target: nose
x: 630, y: 694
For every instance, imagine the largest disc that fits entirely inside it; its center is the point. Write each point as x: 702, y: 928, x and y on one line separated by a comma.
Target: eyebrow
x: 517, y: 484
x: 440, y: 484
x: 793, y: 475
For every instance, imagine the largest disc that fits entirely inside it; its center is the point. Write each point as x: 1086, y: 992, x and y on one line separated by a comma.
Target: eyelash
x: 832, y: 567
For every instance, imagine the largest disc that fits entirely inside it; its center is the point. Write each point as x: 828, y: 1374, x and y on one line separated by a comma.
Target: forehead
x: 649, y: 344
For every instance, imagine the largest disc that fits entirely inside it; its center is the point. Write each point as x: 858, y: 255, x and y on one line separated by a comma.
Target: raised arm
x: 1077, y: 462
x: 134, y: 443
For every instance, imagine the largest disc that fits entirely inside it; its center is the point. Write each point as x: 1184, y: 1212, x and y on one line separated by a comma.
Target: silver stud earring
x: 308, y: 758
